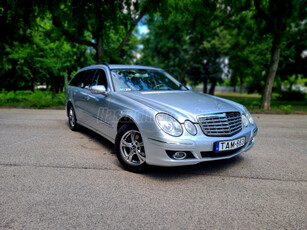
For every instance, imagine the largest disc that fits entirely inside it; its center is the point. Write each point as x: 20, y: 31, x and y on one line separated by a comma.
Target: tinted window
x: 88, y: 78
x: 100, y: 78
x: 77, y: 80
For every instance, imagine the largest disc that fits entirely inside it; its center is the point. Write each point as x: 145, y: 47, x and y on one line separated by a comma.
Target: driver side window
x: 88, y: 78
x: 100, y: 78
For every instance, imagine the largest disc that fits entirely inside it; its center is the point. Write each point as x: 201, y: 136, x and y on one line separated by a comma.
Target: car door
x: 84, y: 96
x: 99, y: 105
x: 75, y: 93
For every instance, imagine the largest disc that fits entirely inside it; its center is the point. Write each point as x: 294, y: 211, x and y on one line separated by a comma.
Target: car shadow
x: 169, y: 173
x: 203, y: 169
x: 103, y: 142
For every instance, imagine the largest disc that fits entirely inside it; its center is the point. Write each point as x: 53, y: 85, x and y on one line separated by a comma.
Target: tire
x: 129, y: 148
x: 72, y: 119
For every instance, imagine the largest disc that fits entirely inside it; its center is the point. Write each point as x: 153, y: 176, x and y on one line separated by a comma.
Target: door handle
x: 87, y: 98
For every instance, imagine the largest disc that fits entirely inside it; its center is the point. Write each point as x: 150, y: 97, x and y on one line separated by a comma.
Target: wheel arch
x: 126, y: 120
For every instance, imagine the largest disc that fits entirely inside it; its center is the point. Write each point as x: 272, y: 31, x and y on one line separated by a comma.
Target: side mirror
x: 189, y: 87
x: 98, y: 89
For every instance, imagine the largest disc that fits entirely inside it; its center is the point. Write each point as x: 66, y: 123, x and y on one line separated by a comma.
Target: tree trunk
x: 32, y: 85
x: 241, y: 85
x: 53, y: 84
x: 56, y: 84
x: 205, y: 89
x: 275, y: 55
x: 128, y: 35
x: 65, y: 80
x: 212, y: 88
x: 99, y: 47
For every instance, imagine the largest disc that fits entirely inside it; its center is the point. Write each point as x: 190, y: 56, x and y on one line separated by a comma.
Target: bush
x: 256, y: 104
x: 11, y: 98
x: 253, y: 105
x: 27, y: 98
x: 59, y: 98
x: 292, y: 96
x: 38, y: 95
x: 286, y: 108
x: 275, y: 96
x: 23, y: 93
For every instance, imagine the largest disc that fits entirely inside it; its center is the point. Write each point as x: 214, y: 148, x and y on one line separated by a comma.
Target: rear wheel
x: 129, y: 147
x: 72, y: 120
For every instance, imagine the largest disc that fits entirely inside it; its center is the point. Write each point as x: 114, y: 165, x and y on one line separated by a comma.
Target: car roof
x: 119, y: 66
x: 116, y: 66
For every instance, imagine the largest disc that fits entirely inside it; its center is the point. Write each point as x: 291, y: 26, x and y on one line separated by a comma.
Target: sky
x: 143, y: 29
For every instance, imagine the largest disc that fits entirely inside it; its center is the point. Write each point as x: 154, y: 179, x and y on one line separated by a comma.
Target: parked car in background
x: 153, y: 119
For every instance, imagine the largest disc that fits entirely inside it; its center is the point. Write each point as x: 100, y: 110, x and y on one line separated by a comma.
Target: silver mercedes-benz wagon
x: 153, y: 119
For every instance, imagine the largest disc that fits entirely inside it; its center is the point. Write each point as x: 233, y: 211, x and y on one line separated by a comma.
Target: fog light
x: 179, y: 155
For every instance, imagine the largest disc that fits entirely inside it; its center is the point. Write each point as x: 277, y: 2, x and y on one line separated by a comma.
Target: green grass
x: 43, y: 99
x: 28, y: 99
x: 252, y: 103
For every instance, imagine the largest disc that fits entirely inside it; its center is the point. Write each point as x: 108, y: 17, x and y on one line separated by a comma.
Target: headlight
x: 244, y: 120
x: 249, y: 116
x: 169, y: 124
x: 190, y: 127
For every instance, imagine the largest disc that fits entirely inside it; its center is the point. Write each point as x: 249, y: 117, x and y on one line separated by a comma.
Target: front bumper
x: 201, y: 147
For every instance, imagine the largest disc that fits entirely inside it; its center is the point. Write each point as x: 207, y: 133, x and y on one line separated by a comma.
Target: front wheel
x: 129, y: 148
x: 72, y: 120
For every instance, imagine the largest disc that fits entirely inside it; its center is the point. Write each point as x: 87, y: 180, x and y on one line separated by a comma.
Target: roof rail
x: 102, y: 63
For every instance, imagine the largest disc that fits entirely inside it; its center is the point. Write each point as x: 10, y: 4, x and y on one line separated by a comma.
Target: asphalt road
x: 53, y: 178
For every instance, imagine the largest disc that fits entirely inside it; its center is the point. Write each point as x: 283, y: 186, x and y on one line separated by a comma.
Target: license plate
x: 229, y: 145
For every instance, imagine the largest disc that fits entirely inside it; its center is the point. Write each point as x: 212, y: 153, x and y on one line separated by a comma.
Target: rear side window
x: 100, y: 78
x: 77, y: 80
x: 88, y: 78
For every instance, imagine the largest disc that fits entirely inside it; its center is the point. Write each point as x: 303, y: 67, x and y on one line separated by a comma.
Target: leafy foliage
x: 44, y: 59
x: 199, y: 42
x: 185, y: 39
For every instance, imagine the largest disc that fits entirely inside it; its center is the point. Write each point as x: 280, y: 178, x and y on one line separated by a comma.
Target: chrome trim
x: 220, y: 124
x: 172, y: 143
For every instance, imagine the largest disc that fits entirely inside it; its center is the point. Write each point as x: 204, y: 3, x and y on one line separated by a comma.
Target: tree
x: 46, y: 58
x: 92, y: 23
x: 15, y: 20
x: 293, y: 61
x: 274, y: 17
x: 47, y: 40
x: 248, y: 53
x: 185, y: 35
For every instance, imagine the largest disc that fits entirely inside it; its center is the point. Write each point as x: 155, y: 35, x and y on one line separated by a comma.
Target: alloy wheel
x: 72, y: 119
x: 132, y: 148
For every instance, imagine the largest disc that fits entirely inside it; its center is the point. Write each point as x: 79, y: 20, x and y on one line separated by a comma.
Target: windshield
x: 144, y: 80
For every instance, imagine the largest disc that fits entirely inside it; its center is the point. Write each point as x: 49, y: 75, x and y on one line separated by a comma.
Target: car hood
x: 183, y: 104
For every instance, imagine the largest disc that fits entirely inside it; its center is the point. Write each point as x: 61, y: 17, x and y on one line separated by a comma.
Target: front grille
x: 221, y: 124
